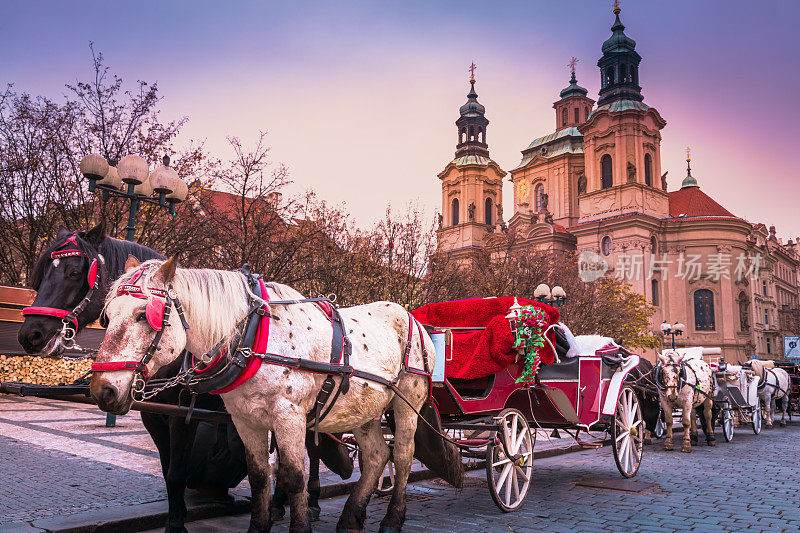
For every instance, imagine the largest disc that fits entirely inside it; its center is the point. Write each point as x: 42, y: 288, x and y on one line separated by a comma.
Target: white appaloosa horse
x: 773, y: 384
x: 277, y: 398
x: 685, y: 383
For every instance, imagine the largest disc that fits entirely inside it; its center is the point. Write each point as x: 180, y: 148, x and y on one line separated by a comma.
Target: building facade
x: 595, y: 187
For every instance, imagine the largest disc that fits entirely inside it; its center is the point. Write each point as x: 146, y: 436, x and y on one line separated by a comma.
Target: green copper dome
x: 618, y: 42
x: 472, y: 108
x: 573, y: 89
x: 689, y: 180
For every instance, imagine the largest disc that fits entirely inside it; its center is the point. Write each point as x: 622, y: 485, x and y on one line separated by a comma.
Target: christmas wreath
x: 532, y: 320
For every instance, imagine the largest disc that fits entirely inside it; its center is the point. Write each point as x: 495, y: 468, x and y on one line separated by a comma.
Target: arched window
x: 635, y: 75
x: 704, y: 310
x: 471, y: 133
x: 605, y: 245
x: 480, y: 135
x: 648, y: 170
x: 608, y: 173
x: 609, y: 75
x: 463, y: 134
x: 577, y: 115
x: 454, y: 211
x: 564, y: 116
x: 653, y: 245
x: 538, y: 195
x: 623, y: 73
x: 655, y: 293
x: 488, y: 211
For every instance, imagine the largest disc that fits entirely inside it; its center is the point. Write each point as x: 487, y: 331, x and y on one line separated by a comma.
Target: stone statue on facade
x: 664, y: 180
x: 441, y: 220
x: 499, y: 211
x: 744, y: 312
x: 471, y: 211
x: 545, y: 201
x: 582, y: 184
x: 631, y: 172
x: 548, y: 217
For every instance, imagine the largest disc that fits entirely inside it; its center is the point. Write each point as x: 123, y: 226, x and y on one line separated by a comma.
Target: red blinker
x: 155, y: 313
x: 92, y: 273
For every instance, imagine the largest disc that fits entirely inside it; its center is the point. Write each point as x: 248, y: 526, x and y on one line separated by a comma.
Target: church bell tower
x: 472, y: 184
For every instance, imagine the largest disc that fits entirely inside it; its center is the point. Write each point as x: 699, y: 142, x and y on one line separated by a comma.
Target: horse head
x: 63, y: 276
x: 143, y: 333
x: 670, y: 375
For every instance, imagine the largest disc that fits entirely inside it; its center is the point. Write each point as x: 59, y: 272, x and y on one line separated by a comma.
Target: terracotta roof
x: 692, y: 202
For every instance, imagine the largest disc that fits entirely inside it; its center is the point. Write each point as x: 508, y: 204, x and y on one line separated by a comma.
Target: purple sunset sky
x: 360, y: 98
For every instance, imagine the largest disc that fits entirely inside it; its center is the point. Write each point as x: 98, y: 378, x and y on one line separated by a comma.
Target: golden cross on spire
x: 472, y: 68
x: 688, y: 154
x: 572, y: 63
x: 617, y: 9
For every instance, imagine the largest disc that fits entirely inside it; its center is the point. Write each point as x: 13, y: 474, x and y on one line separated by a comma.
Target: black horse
x: 641, y: 378
x: 209, y: 457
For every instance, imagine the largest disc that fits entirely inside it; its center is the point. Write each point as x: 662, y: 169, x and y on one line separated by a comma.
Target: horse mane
x: 214, y: 301
x: 114, y: 251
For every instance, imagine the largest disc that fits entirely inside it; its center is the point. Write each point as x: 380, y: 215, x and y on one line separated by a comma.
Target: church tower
x: 622, y: 139
x: 472, y: 184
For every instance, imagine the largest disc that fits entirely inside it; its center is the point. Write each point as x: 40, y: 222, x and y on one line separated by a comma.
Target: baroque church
x: 595, y: 187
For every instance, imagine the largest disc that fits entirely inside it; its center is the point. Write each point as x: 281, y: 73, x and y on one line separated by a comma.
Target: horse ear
x: 131, y: 263
x: 96, y: 235
x: 662, y: 358
x: 62, y: 233
x: 167, y: 269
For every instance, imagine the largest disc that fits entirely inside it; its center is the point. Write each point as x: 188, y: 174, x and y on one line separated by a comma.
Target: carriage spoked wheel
x: 757, y: 420
x: 627, y: 433
x: 509, y: 480
x: 727, y: 422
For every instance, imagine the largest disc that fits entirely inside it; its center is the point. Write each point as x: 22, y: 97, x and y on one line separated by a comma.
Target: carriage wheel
x: 509, y: 480
x: 757, y: 420
x: 386, y: 481
x: 627, y: 432
x: 727, y: 422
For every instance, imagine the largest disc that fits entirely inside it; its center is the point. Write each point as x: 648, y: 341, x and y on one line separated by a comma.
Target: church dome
x: 573, y: 89
x: 618, y: 42
x: 472, y: 108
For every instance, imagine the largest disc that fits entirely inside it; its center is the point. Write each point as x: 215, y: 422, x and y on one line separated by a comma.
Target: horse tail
x: 441, y: 456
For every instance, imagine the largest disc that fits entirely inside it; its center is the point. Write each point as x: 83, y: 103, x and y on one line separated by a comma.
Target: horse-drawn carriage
x: 736, y: 393
x: 482, y: 395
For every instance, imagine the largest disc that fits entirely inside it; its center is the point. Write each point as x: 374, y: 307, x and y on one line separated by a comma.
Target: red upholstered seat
x: 481, y: 352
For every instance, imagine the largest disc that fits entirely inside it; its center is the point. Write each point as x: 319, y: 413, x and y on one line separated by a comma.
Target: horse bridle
x: 69, y: 319
x: 159, y: 305
x: 658, y: 374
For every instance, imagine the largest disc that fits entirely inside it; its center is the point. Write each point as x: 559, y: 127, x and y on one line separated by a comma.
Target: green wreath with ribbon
x: 532, y: 320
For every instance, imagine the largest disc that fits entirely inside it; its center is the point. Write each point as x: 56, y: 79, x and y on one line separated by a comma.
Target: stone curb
x: 153, y: 515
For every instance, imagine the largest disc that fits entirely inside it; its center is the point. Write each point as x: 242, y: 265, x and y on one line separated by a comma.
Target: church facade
x: 595, y: 187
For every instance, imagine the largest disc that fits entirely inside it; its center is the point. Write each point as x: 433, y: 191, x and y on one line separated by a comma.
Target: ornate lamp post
x: 131, y: 178
x: 672, y: 329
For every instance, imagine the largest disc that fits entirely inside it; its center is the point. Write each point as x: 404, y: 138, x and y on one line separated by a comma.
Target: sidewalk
x: 63, y: 469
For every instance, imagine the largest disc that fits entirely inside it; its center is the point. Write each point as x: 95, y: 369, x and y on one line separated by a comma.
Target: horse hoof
x: 768, y: 426
x: 277, y: 513
x: 648, y: 442
x: 711, y: 442
x: 668, y: 447
x: 313, y: 513
x: 783, y: 424
x: 686, y: 448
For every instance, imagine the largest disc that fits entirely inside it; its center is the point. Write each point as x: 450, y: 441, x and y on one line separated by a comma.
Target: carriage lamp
x: 130, y: 178
x: 556, y: 296
x: 672, y: 329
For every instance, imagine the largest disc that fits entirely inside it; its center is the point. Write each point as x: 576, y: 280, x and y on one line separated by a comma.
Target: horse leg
x: 693, y: 432
x: 291, y: 438
x: 648, y: 437
x: 277, y: 507
x: 158, y: 428
x: 785, y: 407
x: 256, y: 444
x: 708, y: 405
x: 667, y: 408
x: 688, y: 420
x: 374, y: 454
x: 314, y: 489
x: 770, y: 404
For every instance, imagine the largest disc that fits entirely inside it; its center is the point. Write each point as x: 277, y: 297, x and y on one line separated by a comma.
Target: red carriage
x: 485, y: 398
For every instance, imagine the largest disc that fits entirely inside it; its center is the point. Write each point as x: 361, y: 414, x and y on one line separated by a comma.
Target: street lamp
x: 556, y: 296
x: 673, y: 329
x: 131, y: 178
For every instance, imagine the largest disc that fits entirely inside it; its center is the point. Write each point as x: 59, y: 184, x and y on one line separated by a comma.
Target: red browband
x: 137, y: 291
x: 49, y: 311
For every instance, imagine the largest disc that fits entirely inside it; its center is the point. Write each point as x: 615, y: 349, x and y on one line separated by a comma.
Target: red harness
x: 68, y: 317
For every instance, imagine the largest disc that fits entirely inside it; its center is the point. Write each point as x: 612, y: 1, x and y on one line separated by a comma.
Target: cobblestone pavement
x: 748, y: 484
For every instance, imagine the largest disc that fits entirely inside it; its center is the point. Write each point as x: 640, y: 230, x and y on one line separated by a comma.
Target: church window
x: 654, y: 288
x: 769, y: 346
x: 488, y: 210
x: 764, y: 287
x: 538, y: 194
x: 609, y: 75
x: 766, y: 318
x: 623, y: 73
x: 605, y: 245
x: 471, y: 133
x: 607, y: 172
x: 564, y: 116
x: 653, y: 245
x: 577, y: 115
x: 648, y: 170
x: 454, y: 211
x: 704, y: 310
x: 463, y: 134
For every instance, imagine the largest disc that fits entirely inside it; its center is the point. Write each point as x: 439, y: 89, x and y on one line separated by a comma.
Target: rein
x: 69, y: 319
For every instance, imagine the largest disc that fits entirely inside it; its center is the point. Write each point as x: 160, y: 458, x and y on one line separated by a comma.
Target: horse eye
x: 75, y: 274
x: 141, y: 317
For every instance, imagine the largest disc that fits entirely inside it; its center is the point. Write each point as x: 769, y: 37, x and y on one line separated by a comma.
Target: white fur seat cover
x: 584, y: 345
